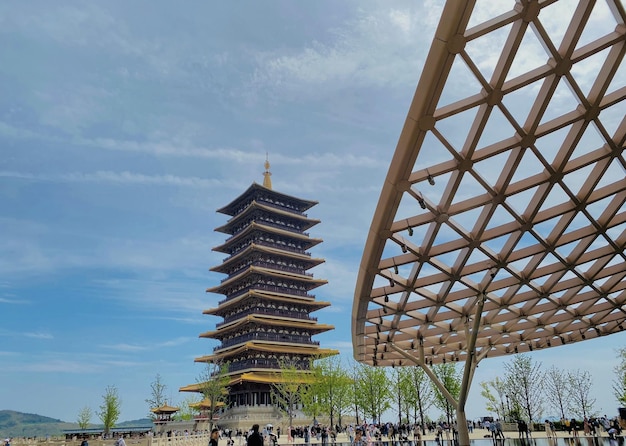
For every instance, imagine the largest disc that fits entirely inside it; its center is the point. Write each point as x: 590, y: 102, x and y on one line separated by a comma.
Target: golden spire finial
x: 267, y: 181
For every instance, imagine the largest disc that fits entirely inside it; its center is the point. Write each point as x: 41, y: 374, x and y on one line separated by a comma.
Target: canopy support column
x: 471, y: 362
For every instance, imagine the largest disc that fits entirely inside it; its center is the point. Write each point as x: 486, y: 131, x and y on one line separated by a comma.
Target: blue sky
x: 125, y: 125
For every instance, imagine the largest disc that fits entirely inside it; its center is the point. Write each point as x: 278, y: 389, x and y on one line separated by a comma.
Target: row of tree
x: 109, y: 412
x: 330, y: 389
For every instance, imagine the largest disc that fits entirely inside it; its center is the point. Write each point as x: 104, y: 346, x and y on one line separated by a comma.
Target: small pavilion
x: 163, y: 415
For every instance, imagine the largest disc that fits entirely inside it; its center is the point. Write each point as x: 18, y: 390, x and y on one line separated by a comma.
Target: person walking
x: 358, y: 438
x: 499, y: 433
x: 324, y: 436
x: 548, y: 427
x: 255, y: 439
x: 574, y: 425
x: 417, y: 435
x: 215, y: 433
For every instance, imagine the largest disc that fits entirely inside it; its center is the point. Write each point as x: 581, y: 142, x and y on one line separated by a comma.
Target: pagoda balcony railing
x: 271, y: 311
x: 273, y: 337
x: 268, y: 223
x: 282, y: 208
x: 277, y: 289
x: 271, y: 245
x: 279, y: 226
x: 269, y: 266
x: 273, y: 225
x: 261, y: 363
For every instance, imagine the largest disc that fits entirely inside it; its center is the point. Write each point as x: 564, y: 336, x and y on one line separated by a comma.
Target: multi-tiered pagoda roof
x: 268, y: 300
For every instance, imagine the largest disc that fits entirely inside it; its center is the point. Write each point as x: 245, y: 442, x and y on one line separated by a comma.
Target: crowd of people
x: 410, y: 434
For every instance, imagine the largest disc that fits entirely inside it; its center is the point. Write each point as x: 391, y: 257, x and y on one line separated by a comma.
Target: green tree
x: 356, y: 401
x: 84, y: 417
x: 495, y: 399
x: 290, y: 383
x: 110, y: 409
x: 557, y: 388
x: 525, y: 385
x: 213, y: 383
x: 582, y: 402
x: 342, y: 399
x: 157, y: 395
x: 401, y: 387
x: 331, y: 386
x: 450, y: 377
x: 186, y: 412
x: 373, y: 387
x: 312, y: 394
x: 619, y: 383
x: 420, y: 395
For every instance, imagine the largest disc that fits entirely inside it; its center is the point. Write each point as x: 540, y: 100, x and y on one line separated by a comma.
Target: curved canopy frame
x: 501, y: 224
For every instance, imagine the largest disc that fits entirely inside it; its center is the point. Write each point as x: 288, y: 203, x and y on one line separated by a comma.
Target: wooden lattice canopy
x: 502, y: 220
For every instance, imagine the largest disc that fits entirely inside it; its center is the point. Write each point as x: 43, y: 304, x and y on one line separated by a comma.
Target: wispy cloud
x: 4, y: 353
x: 376, y: 48
x: 38, y: 335
x: 132, y: 348
x: 125, y: 347
x: 109, y: 177
x: 55, y: 366
x: 183, y: 149
x: 13, y: 301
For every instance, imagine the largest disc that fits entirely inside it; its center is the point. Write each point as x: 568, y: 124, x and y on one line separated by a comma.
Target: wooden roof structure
x: 529, y: 222
x: 164, y: 409
x: 501, y: 224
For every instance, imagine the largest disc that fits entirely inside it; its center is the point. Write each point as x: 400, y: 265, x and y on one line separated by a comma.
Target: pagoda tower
x: 268, y: 301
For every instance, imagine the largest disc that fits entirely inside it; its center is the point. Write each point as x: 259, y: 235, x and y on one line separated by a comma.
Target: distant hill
x: 19, y: 424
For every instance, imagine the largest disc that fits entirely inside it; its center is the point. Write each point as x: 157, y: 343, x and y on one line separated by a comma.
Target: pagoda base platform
x: 243, y: 417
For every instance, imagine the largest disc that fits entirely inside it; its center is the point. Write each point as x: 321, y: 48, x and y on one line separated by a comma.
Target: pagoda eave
x: 306, y: 223
x: 307, y: 241
x: 229, y: 209
x: 273, y: 347
x: 309, y: 261
x: 267, y: 320
x: 308, y: 281
x: 315, y: 305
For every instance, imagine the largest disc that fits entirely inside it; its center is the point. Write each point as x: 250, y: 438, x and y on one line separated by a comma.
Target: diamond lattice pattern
x: 507, y: 188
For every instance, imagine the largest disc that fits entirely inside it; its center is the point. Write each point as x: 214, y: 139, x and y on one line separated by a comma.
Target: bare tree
x: 557, y: 388
x: 525, y: 385
x: 157, y: 395
x: 110, y: 409
x: 619, y: 384
x: 84, y: 417
x: 582, y: 402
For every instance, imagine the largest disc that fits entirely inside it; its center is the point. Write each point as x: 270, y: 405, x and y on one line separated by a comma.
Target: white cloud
x: 378, y: 48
